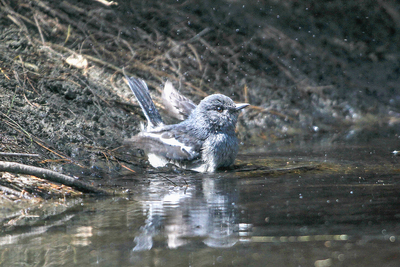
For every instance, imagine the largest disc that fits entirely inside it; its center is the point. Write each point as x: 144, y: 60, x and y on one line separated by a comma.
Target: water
x: 308, y: 205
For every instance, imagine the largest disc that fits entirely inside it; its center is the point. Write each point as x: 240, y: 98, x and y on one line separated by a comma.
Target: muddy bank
x: 309, y: 70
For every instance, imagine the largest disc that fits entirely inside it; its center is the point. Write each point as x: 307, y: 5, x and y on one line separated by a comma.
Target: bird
x: 204, y: 141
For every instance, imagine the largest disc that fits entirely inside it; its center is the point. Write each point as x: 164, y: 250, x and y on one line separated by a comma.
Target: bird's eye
x: 219, y: 109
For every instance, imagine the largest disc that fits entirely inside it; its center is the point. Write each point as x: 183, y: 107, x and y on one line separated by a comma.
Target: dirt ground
x: 309, y: 69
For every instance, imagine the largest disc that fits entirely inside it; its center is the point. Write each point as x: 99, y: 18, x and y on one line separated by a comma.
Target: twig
x: 18, y: 22
x: 40, y: 30
x: 125, y: 167
x: 68, y: 34
x: 41, y: 143
x: 246, y: 94
x: 16, y: 125
x: 6, y: 154
x: 169, y: 180
x: 10, y: 191
x: 200, y: 34
x: 196, y: 55
x: 50, y: 176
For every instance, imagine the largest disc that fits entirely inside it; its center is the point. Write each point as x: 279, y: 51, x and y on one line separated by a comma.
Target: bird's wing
x: 176, y: 104
x: 166, y: 144
x: 142, y: 94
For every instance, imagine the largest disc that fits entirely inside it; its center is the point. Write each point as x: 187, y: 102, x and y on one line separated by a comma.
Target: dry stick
x: 8, y: 9
x: 58, y: 14
x: 13, y: 124
x: 10, y: 191
x: 137, y: 64
x: 50, y: 176
x: 6, y: 154
x: 191, y: 40
x: 196, y: 55
x: 246, y: 94
x: 18, y: 194
x: 39, y: 29
x: 18, y: 22
x: 18, y: 128
x: 270, y: 111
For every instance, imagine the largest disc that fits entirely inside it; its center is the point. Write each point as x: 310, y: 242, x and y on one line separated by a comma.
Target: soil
x: 309, y: 69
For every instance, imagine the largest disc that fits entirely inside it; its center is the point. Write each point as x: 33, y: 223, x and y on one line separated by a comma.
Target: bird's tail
x: 142, y: 94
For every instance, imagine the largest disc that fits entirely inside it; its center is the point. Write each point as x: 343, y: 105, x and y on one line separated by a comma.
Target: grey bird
x: 203, y: 142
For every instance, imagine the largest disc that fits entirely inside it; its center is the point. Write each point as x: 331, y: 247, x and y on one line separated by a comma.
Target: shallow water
x: 300, y: 205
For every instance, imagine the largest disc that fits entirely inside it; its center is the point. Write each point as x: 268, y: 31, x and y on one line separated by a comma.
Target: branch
x: 50, y: 176
x: 5, y: 154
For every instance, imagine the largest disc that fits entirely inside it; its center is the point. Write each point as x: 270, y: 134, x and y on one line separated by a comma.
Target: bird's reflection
x: 206, y: 211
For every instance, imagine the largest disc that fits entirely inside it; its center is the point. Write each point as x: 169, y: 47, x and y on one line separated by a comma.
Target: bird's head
x: 217, y: 112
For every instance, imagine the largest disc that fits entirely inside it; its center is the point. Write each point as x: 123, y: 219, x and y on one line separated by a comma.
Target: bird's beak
x: 241, y: 106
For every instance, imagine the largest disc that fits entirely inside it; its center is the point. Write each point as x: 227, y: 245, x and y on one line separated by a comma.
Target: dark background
x: 310, y: 69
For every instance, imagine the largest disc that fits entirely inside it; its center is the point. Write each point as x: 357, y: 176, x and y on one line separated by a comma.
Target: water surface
x: 306, y: 205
